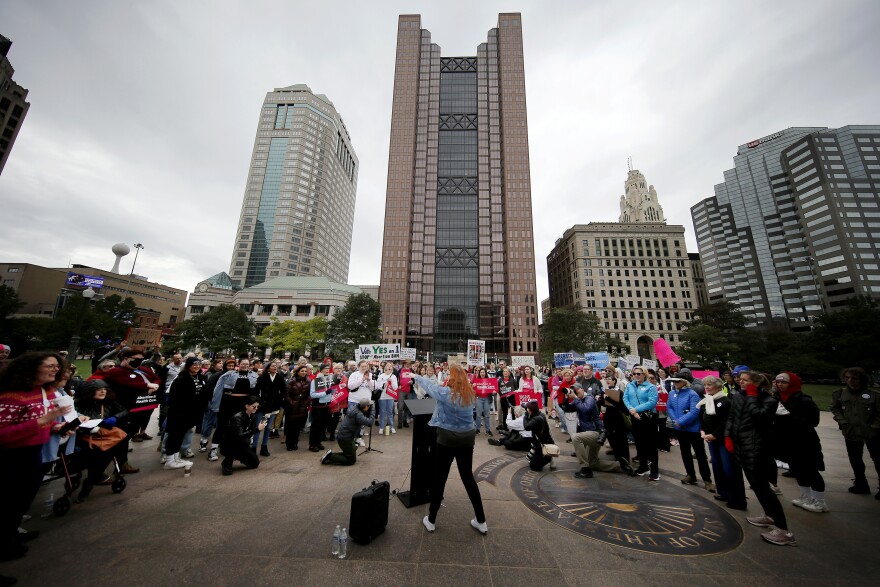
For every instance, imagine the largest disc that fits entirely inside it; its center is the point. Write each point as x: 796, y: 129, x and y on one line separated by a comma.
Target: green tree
x: 566, y: 329
x: 222, y: 328
x: 356, y: 323
x: 849, y: 336
x: 295, y: 336
x: 10, y: 303
x: 707, y: 345
x: 721, y: 315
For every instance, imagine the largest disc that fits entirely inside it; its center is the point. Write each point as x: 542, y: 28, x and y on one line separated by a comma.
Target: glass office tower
x: 458, y: 251
x: 298, y: 211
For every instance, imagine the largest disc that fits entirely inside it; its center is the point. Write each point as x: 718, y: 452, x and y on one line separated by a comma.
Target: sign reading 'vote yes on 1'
x: 377, y: 352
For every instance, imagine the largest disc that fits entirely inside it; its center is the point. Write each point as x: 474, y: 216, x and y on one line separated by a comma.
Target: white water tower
x: 120, y: 250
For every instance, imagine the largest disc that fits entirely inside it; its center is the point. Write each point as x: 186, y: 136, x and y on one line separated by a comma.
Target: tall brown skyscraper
x: 458, y: 254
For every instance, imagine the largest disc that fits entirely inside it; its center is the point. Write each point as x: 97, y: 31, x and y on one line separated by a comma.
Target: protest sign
x: 597, y: 360
x: 476, y: 355
x: 377, y: 352
x: 522, y: 361
x: 649, y: 364
x: 484, y: 387
x: 407, y: 354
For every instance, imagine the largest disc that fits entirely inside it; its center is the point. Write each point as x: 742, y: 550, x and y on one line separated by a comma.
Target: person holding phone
x: 236, y: 444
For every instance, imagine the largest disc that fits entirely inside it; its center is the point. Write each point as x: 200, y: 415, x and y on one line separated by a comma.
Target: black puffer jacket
x: 803, y: 442
x: 242, y: 427
x: 749, y: 425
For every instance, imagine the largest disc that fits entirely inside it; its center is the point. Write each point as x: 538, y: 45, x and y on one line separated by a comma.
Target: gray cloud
x: 143, y: 114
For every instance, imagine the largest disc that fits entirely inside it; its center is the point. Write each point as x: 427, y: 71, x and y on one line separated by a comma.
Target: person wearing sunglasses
x: 640, y: 399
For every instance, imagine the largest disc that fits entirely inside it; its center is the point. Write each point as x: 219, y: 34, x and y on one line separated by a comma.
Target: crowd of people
x: 742, y: 425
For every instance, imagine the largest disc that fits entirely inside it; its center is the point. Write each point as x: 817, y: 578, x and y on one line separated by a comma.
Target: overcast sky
x: 143, y: 113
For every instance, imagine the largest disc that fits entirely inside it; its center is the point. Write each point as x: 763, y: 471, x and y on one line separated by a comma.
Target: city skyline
x: 674, y: 87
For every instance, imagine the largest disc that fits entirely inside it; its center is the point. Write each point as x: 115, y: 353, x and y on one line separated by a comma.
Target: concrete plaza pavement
x: 274, y: 525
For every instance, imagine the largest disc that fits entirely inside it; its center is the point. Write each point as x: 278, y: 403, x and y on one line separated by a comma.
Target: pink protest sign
x: 664, y: 353
x: 701, y: 374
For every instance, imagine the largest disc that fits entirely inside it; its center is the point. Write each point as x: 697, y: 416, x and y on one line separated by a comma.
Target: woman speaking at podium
x: 454, y: 420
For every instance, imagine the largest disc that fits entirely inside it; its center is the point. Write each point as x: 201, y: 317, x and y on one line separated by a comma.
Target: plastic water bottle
x: 334, y: 550
x: 47, y: 506
x: 343, y: 544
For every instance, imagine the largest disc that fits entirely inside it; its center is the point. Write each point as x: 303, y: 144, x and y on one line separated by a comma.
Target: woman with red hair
x: 454, y: 420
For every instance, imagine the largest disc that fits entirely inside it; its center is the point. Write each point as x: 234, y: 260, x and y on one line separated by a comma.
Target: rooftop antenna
x: 629, y: 163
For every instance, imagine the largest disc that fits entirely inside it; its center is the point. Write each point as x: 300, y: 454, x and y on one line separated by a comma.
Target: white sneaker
x: 212, y: 456
x: 428, y: 525
x: 173, y: 463
x: 360, y: 442
x: 800, y: 501
x: 163, y: 459
x: 817, y: 506
x: 481, y: 528
x: 393, y: 430
x: 188, y: 454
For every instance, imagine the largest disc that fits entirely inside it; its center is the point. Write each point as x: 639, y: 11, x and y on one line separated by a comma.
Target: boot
x: 85, y: 491
x: 264, y: 451
x: 804, y: 498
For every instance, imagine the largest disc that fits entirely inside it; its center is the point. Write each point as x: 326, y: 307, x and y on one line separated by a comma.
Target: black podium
x: 424, y: 448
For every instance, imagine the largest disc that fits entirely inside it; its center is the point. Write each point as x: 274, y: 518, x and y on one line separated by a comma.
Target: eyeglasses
x: 638, y: 373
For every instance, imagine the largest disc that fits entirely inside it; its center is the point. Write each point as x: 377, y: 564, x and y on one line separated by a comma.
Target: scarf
x: 709, y: 402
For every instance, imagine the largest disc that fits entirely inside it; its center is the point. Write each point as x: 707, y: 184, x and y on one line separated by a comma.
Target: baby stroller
x: 70, y: 467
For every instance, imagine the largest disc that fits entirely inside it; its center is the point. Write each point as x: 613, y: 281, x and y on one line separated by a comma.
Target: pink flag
x: 664, y: 353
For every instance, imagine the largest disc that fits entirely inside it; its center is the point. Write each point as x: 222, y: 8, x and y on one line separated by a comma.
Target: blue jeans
x: 184, y: 446
x: 386, y: 413
x: 560, y: 415
x: 266, y: 431
x: 483, y: 407
x: 728, y: 474
x: 209, y: 424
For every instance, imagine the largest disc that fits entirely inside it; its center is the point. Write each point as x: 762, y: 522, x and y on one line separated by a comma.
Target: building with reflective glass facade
x: 458, y: 251
x: 298, y: 210
x: 793, y: 229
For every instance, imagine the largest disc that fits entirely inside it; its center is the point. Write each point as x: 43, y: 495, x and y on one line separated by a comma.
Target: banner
x: 597, y: 360
x: 649, y: 364
x: 522, y: 361
x: 407, y: 354
x: 377, y: 352
x: 485, y: 387
x: 80, y: 280
x: 476, y: 355
x: 622, y: 364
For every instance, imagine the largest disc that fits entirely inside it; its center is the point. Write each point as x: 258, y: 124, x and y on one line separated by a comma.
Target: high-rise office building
x: 298, y: 211
x: 458, y: 252
x: 635, y: 276
x: 13, y: 106
x: 793, y: 229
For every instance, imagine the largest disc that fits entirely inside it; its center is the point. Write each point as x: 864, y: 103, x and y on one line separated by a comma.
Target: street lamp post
x: 137, y: 246
x: 88, y: 294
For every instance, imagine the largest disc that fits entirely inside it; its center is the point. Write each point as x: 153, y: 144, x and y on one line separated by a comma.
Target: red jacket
x: 19, y: 411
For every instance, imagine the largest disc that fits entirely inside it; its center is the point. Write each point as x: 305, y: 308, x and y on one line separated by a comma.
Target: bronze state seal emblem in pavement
x: 663, y: 517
